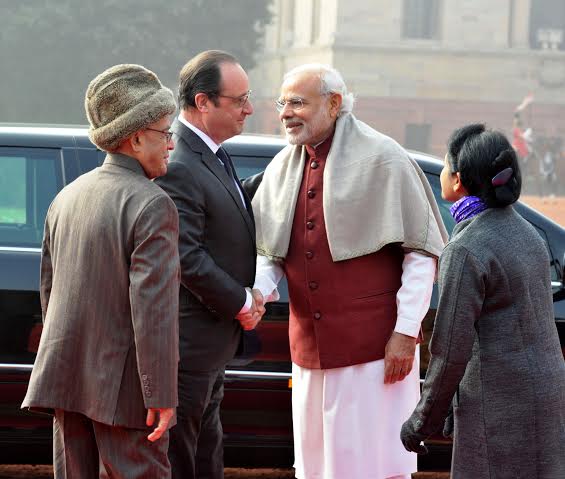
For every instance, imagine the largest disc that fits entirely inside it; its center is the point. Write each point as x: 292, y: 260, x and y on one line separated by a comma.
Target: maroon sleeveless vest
x: 341, y: 313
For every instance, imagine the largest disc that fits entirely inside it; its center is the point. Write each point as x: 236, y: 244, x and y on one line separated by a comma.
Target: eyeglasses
x: 240, y: 101
x: 168, y: 134
x: 295, y: 103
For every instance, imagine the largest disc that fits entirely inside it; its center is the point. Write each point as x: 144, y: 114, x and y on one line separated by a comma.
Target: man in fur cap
x: 108, y: 356
x: 350, y: 219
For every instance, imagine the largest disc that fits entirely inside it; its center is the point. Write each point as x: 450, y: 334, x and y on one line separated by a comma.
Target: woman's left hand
x: 411, y: 439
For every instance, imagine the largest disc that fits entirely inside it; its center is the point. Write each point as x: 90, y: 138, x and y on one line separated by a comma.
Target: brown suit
x: 109, y: 293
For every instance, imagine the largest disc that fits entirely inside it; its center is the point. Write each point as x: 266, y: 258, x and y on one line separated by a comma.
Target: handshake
x: 251, y: 318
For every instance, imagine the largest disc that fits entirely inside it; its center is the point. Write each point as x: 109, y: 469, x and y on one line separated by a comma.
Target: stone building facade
x: 419, y: 68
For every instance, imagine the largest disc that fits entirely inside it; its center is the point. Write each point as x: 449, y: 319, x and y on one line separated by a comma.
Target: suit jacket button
x: 310, y: 225
x: 313, y: 285
x: 317, y: 315
x: 309, y: 254
x: 314, y: 165
x: 311, y: 193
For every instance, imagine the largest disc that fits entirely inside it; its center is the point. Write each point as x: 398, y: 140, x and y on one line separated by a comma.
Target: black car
x: 35, y: 163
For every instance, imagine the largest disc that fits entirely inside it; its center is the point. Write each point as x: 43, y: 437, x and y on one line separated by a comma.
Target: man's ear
x: 201, y: 101
x: 136, y: 142
x: 335, y: 104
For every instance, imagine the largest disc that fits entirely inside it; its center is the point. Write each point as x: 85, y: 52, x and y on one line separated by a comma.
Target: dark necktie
x: 226, y: 160
x: 228, y: 165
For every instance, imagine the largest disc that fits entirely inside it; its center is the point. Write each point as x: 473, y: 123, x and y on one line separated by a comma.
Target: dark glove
x: 412, y: 439
x: 448, y: 424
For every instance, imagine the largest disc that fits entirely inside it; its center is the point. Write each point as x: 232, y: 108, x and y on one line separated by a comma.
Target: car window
x: 88, y: 159
x: 247, y: 166
x: 29, y: 180
x: 443, y: 205
x: 101, y: 156
x: 554, y: 265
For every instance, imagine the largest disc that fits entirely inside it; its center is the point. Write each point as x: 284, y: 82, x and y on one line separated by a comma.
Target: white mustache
x: 292, y: 122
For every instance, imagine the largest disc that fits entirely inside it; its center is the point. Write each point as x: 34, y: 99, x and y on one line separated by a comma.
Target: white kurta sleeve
x: 267, y: 277
x: 413, y: 297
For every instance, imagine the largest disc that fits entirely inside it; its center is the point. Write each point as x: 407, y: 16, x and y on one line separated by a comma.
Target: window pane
x: 247, y: 166
x: 547, y: 25
x: 29, y: 180
x: 420, y: 18
x: 12, y: 190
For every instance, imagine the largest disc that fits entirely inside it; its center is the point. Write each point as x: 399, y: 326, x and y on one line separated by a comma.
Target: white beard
x: 309, y: 130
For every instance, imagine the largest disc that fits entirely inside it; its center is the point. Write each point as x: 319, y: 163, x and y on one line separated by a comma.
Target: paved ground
x: 554, y: 208
x: 46, y: 472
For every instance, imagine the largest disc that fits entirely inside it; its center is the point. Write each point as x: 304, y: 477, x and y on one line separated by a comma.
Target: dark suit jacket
x: 109, y: 277
x: 217, y: 251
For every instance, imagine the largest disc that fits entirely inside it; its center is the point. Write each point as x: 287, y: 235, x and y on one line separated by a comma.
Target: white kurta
x: 346, y: 420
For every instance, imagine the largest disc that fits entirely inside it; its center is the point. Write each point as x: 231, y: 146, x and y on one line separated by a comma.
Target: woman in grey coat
x: 495, y: 349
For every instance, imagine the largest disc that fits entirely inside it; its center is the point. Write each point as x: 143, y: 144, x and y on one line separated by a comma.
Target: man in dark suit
x: 217, y: 254
x: 108, y: 357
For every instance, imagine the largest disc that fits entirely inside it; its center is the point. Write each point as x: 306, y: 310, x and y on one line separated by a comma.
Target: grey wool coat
x: 109, y: 294
x: 496, y: 353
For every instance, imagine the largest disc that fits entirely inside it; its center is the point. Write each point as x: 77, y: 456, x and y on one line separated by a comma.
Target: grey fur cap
x: 122, y: 100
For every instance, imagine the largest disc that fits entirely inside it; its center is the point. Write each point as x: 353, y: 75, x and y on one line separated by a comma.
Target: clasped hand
x: 251, y: 318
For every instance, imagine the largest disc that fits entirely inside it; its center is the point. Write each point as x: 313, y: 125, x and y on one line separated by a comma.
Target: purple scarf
x: 466, y: 208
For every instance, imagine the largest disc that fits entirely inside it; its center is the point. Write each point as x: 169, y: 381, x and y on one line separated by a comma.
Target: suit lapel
x: 212, y: 162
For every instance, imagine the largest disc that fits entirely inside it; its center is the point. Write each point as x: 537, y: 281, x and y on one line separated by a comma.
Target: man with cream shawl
x: 350, y: 219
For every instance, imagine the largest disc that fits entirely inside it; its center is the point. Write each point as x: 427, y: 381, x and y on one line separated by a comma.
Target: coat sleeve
x: 154, y: 293
x: 200, y: 274
x: 461, y: 296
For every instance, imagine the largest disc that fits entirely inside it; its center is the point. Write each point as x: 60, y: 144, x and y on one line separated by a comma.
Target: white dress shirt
x: 213, y: 146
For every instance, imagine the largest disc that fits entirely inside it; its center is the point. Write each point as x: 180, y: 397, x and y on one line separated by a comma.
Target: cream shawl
x: 374, y: 194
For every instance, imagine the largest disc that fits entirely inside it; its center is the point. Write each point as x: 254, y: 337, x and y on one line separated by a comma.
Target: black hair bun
x: 507, y: 193
x: 503, y: 160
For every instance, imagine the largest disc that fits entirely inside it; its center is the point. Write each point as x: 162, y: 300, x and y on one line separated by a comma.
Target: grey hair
x: 331, y: 82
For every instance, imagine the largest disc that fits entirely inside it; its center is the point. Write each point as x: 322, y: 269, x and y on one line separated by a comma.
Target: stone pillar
x: 520, y: 24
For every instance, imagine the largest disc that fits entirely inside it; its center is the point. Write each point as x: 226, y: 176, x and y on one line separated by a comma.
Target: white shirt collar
x: 214, y: 147
x: 205, y: 138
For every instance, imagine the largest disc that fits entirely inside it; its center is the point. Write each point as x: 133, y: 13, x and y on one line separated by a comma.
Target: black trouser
x: 196, y: 442
x: 86, y: 449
